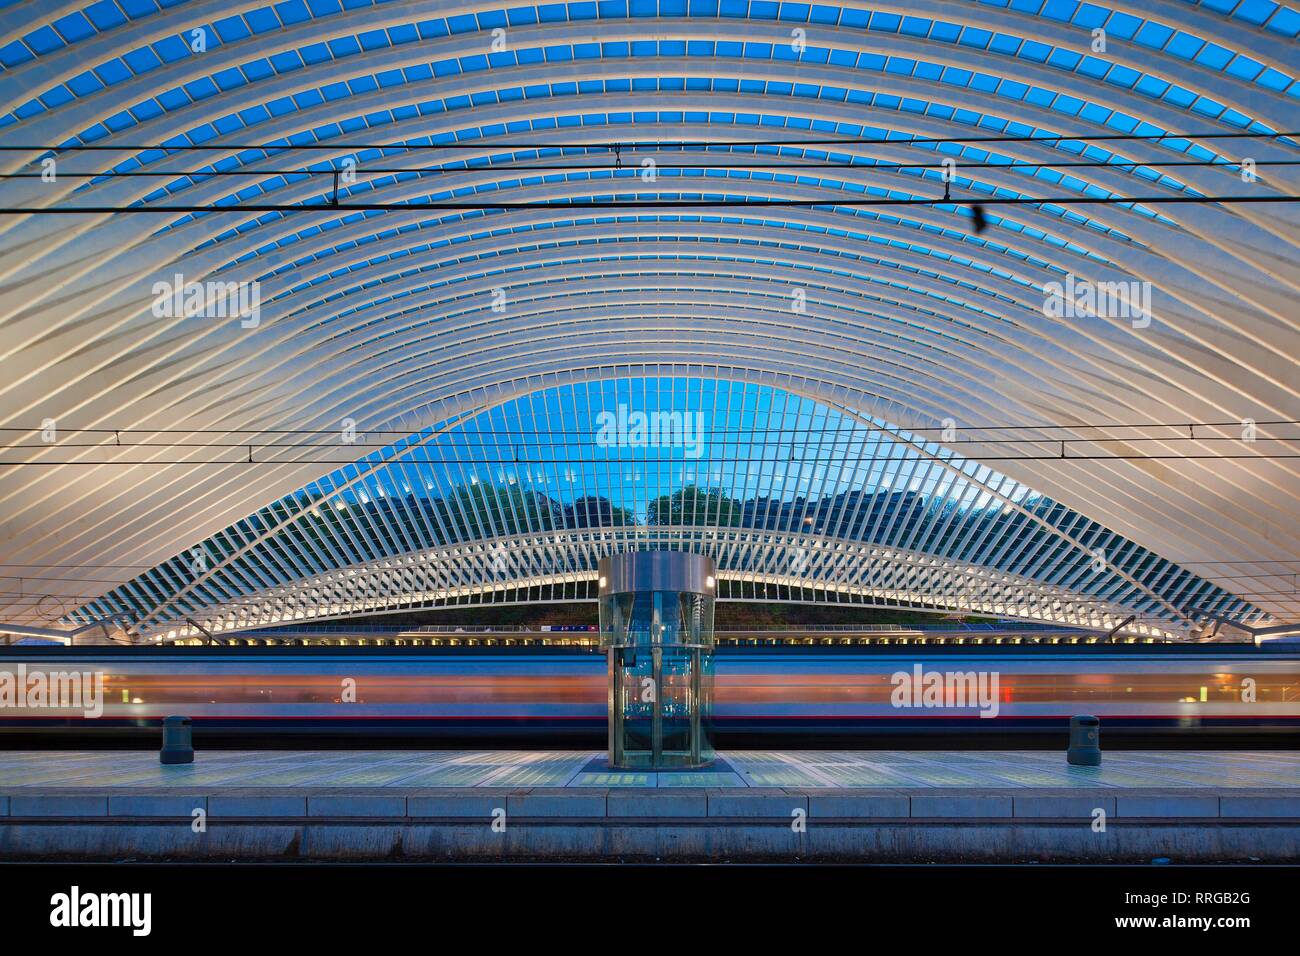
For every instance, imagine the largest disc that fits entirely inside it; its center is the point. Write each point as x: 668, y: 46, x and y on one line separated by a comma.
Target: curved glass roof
x: 642, y: 186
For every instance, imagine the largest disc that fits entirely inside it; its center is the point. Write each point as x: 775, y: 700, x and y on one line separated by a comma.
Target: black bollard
x: 178, y: 742
x: 1085, y: 742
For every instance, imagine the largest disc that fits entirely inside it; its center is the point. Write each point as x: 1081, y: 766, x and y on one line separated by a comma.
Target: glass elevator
x: 656, y: 627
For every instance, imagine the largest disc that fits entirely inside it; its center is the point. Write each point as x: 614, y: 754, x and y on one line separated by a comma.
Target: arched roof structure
x: 552, y: 196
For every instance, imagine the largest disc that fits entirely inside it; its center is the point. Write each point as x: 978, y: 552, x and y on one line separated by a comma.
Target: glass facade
x: 656, y: 625
x: 761, y: 474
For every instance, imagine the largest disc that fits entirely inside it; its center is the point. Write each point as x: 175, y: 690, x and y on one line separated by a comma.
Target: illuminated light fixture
x: 708, y: 581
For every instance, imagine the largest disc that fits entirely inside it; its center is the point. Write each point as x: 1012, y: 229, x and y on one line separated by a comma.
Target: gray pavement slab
x: 758, y: 785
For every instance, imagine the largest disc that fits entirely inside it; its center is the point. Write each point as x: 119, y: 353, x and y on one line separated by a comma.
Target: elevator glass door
x: 637, y: 698
x: 657, y: 706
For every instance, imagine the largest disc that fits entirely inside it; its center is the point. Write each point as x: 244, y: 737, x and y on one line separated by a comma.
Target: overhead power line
x: 614, y: 150
x: 479, y: 143
x: 79, y: 579
x: 575, y: 444
x: 527, y: 167
x: 1181, y: 426
x: 661, y: 203
x: 365, y: 438
x: 572, y: 442
x: 247, y: 459
x: 85, y: 565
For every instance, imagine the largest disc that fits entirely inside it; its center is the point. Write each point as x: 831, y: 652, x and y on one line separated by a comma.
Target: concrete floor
x: 741, y: 769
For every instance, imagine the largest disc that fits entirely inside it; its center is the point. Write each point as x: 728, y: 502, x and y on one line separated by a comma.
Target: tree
x: 481, y: 510
x: 594, y: 511
x: 695, y: 506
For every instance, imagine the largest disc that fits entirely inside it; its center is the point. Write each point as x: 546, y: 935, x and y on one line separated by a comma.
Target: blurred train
x: 1236, y: 695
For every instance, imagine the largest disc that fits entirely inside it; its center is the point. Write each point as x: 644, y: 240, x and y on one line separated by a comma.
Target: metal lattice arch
x: 390, y: 317
x: 795, y: 500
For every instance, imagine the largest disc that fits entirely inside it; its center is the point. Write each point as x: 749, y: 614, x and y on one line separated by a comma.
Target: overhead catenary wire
x: 275, y: 462
x: 464, y: 444
x: 756, y: 430
x: 146, y: 567
x: 660, y: 203
x: 526, y: 167
x: 614, y: 149
x: 480, y: 143
x: 1294, y: 589
x: 379, y: 439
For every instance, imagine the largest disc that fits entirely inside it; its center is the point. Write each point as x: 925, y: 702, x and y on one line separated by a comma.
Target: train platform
x: 758, y: 805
